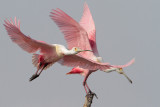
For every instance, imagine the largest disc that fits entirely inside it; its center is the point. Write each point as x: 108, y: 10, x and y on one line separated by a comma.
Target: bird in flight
x: 83, y: 35
x: 49, y: 53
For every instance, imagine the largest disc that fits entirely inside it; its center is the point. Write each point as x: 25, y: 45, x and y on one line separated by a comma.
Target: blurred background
x: 125, y: 29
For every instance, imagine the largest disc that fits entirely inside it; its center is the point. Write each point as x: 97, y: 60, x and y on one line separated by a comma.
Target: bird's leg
x: 43, y: 68
x: 84, y: 85
x: 88, y: 87
x: 84, y: 82
x: 90, y: 92
x: 34, y: 76
x: 85, y: 90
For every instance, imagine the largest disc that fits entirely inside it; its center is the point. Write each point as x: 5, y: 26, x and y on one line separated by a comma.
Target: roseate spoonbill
x: 83, y: 36
x: 49, y: 53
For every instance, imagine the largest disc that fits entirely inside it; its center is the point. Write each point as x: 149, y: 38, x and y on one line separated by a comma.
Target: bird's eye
x: 120, y: 69
x: 75, y: 49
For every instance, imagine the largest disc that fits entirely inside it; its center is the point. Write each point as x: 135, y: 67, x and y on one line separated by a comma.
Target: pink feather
x: 87, y: 23
x: 25, y: 42
x: 74, y: 33
x: 77, y: 60
x: 126, y: 65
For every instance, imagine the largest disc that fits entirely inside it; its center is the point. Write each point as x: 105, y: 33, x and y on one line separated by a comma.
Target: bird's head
x: 119, y: 70
x: 77, y: 50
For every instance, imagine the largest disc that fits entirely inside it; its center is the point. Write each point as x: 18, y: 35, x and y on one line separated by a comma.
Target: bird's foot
x: 34, y: 76
x: 92, y: 93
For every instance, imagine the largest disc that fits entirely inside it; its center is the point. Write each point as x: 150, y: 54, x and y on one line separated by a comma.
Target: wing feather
x: 75, y: 35
x: 126, y: 65
x: 25, y: 42
x: 87, y: 23
x: 77, y: 60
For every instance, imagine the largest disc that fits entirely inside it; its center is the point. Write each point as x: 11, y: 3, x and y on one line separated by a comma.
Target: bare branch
x: 89, y: 98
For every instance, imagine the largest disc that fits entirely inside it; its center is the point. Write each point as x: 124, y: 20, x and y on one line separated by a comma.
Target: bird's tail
x: 35, y: 59
x: 38, y: 61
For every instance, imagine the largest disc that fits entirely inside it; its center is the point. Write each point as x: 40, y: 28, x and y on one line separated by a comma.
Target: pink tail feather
x: 126, y: 65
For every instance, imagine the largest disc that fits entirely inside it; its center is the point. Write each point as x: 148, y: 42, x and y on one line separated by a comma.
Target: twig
x: 89, y: 98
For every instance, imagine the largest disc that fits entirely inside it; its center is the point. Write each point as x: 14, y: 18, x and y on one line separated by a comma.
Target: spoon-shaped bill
x: 81, y: 50
x: 87, y: 50
x: 127, y: 78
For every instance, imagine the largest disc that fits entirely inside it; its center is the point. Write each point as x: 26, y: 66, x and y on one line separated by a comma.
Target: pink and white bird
x: 50, y: 53
x: 83, y: 35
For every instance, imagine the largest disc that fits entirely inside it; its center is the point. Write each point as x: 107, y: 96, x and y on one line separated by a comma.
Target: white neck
x: 70, y: 52
x: 110, y: 70
x: 62, y: 49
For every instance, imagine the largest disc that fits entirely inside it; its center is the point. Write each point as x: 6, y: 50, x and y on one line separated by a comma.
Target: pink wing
x: 87, y: 23
x: 77, y: 60
x: 75, y: 35
x: 25, y: 42
x: 126, y: 65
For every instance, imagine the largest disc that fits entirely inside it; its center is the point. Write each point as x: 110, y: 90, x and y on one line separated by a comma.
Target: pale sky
x: 125, y: 29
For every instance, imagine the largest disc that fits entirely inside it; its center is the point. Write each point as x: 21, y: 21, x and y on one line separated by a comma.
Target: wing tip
x: 9, y: 23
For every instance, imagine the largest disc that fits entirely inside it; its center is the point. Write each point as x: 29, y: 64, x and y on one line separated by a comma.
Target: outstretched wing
x: 25, y: 42
x: 77, y: 60
x: 126, y: 65
x: 74, y: 34
x: 87, y: 23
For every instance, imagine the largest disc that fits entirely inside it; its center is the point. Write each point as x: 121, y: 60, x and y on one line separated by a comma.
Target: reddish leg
x: 90, y: 92
x: 84, y: 82
x: 88, y: 87
x: 85, y: 89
